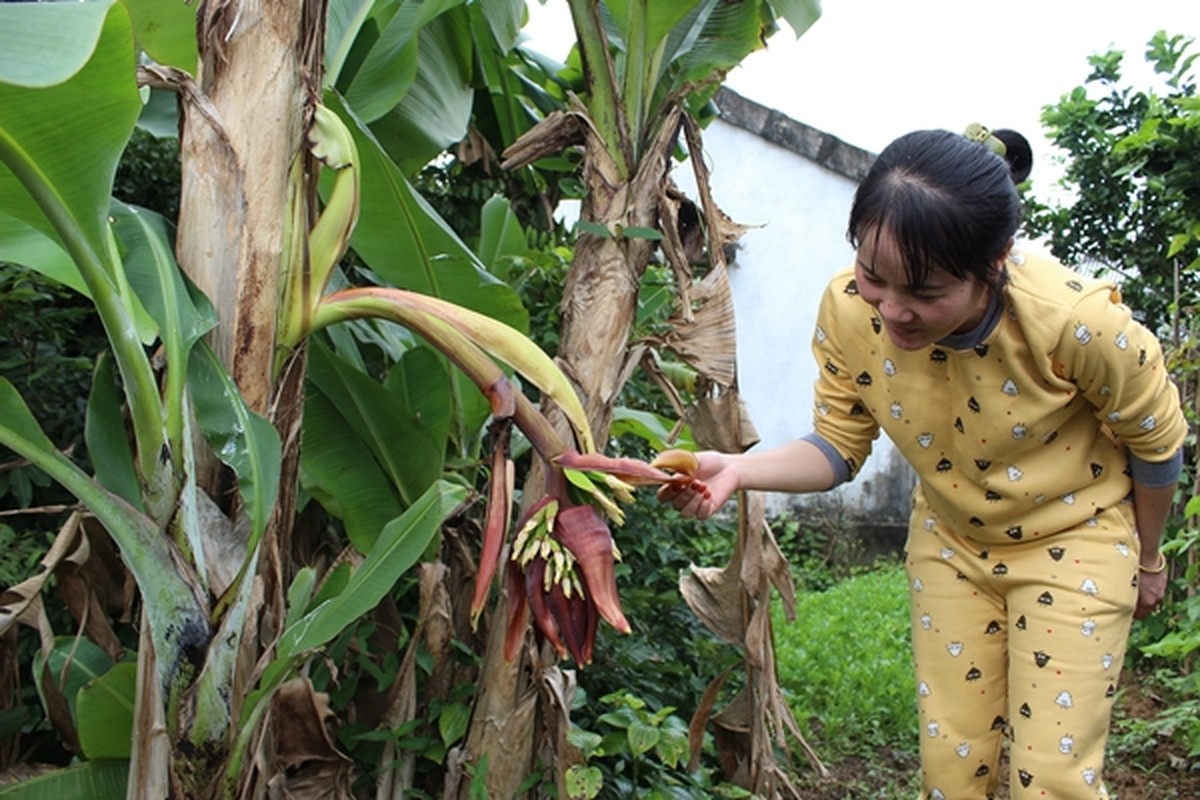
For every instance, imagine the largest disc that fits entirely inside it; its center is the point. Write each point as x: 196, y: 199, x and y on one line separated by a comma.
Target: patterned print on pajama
x: 1021, y: 440
x: 1030, y: 637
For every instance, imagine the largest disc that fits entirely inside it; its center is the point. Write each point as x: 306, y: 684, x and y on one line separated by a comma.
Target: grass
x: 845, y: 663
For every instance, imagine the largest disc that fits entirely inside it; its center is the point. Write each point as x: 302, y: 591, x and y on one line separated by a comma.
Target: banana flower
x: 561, y: 567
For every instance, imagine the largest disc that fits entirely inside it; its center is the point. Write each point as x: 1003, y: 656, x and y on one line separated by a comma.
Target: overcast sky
x: 870, y: 70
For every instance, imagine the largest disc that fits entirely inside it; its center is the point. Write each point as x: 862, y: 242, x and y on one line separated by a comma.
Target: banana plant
x: 208, y: 362
x: 648, y: 70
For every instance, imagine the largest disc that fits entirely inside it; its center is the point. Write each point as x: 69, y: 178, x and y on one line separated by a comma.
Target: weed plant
x: 846, y: 665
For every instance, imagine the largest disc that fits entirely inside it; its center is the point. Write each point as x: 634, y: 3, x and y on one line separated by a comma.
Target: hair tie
x: 979, y: 133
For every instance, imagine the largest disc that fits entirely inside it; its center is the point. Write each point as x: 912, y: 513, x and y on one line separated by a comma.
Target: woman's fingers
x: 1152, y: 588
x: 693, y: 499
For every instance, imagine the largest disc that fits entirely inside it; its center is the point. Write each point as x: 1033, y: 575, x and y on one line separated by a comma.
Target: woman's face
x: 915, y: 316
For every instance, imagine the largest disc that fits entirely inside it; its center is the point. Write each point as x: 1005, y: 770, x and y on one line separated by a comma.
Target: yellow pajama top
x: 1024, y: 432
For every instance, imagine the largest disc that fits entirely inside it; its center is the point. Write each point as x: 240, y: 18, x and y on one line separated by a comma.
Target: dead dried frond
x: 708, y: 341
x: 475, y: 148
x: 734, y: 602
x: 719, y: 419
x: 559, y: 131
x: 433, y: 629
x: 22, y: 603
x: 308, y: 762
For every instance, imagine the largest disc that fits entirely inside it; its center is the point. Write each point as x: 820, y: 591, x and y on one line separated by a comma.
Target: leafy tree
x: 1133, y: 174
x: 644, y: 73
x: 231, y: 610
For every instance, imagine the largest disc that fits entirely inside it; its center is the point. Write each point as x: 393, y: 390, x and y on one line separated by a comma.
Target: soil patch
x: 1148, y: 767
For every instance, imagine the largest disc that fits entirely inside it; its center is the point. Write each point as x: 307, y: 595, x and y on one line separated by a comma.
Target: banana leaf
x: 408, y: 245
x: 95, y: 780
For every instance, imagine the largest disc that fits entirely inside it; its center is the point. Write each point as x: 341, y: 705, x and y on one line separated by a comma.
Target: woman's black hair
x: 947, y: 201
x: 1017, y: 153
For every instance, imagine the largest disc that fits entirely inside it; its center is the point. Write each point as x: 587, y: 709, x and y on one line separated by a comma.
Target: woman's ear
x: 998, y: 265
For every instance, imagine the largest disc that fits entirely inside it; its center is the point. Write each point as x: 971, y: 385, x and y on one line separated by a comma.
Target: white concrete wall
x: 777, y: 279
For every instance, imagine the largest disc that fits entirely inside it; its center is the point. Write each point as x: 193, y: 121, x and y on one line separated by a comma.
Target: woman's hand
x: 714, y: 481
x: 1152, y: 588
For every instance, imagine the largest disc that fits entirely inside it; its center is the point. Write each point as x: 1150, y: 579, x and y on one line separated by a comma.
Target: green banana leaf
x: 180, y: 311
x: 648, y: 22
x: 166, y: 31
x: 800, y: 14
x: 104, y: 712
x: 68, y: 102
x: 342, y: 476
x: 408, y: 245
x: 721, y: 35
x: 435, y: 111
x: 651, y: 428
x: 391, y: 64
x: 344, y: 22
x: 662, y: 50
x: 505, y: 19
x: 472, y: 412
x: 299, y: 593
x: 106, y: 436
x: 500, y: 233
x: 518, y: 82
x: 178, y: 623
x: 420, y: 384
x: 398, y: 548
x: 71, y: 663
x: 241, y: 439
x: 503, y: 83
x: 333, y: 583
x: 160, y: 114
x: 22, y: 243
x: 398, y: 428
x: 95, y: 780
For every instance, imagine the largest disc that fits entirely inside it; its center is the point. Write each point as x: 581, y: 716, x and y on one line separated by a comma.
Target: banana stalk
x: 502, y: 342
x: 400, y: 306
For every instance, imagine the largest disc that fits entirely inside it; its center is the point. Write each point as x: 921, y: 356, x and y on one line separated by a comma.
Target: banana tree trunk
x: 239, y: 139
x: 243, y: 119
x: 598, y: 310
x: 601, y: 292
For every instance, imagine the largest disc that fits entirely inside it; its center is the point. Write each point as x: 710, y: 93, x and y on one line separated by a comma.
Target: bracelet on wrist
x: 1157, y: 568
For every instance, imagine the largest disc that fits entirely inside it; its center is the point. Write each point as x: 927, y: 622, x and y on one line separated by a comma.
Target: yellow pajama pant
x: 1020, y: 638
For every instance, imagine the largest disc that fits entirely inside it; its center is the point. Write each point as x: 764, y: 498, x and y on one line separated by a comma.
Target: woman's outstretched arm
x: 797, y: 467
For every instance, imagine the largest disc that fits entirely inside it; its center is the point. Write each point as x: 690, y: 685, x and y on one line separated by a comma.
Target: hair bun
x: 1017, y: 153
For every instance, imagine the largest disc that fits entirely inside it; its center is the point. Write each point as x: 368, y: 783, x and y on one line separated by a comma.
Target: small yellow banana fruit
x: 681, y: 464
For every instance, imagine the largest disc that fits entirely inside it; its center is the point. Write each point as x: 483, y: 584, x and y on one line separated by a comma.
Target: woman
x: 1046, y: 434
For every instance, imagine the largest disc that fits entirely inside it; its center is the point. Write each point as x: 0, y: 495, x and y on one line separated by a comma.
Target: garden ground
x: 1151, y: 768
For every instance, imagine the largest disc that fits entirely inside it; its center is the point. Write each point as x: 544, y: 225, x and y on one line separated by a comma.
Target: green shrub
x: 846, y: 665
x: 1137, y: 736
x: 634, y: 751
